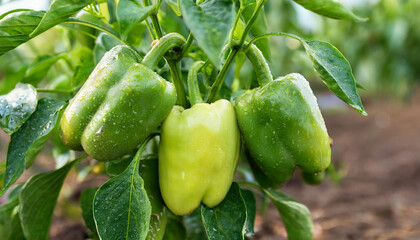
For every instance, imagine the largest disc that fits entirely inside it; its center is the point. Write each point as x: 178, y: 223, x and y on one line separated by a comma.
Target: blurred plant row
x: 383, y: 50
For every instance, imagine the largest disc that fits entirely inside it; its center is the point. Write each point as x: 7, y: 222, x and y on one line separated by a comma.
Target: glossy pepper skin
x: 283, y: 128
x: 120, y: 104
x: 313, y: 179
x: 198, y: 153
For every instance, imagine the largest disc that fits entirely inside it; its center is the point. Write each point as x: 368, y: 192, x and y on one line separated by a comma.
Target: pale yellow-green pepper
x: 198, y: 153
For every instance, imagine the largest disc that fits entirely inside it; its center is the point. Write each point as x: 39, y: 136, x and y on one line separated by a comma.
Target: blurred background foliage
x: 383, y: 51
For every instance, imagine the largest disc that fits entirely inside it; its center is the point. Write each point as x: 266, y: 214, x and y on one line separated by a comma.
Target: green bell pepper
x: 122, y: 102
x: 313, y: 179
x: 198, y: 152
x: 282, y: 125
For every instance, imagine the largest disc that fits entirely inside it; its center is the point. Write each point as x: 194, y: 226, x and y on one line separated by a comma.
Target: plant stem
x: 150, y: 29
x: 162, y: 46
x: 261, y: 68
x: 233, y: 51
x: 221, y: 76
x: 250, y: 184
x: 55, y: 91
x: 187, y: 45
x: 156, y: 25
x: 251, y: 22
x: 143, y: 146
x: 83, y: 156
x: 178, y: 82
x: 193, y: 89
x: 271, y: 34
x: 154, y: 18
x: 173, y: 63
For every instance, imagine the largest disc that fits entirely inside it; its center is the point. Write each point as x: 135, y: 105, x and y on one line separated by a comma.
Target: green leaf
x: 149, y: 171
x: 16, y: 231
x: 10, y: 228
x: 86, y: 203
x: 30, y: 138
x: 11, y: 77
x: 13, y: 11
x: 85, y: 66
x: 37, y: 200
x: 40, y: 67
x: 6, y: 216
x: 116, y: 167
x: 104, y: 43
x: 329, y: 8
x: 175, y: 229
x: 227, y: 220
x: 58, y: 12
x: 295, y: 216
x: 85, y: 23
x: 194, y: 225
x: 17, y: 106
x: 251, y: 211
x: 174, y: 5
x: 360, y: 86
x: 16, y: 27
x: 335, y: 71
x: 15, y: 191
x: 157, y: 226
x: 130, y: 13
x: 121, y: 207
x: 210, y: 22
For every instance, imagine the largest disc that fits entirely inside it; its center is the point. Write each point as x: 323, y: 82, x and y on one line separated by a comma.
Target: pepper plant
x: 153, y: 93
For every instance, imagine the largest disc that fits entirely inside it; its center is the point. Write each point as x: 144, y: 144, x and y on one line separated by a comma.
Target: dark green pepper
x: 122, y: 102
x: 282, y: 125
x: 313, y: 178
x: 259, y: 175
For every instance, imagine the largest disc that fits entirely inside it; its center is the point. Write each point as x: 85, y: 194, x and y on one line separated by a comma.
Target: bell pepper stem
x: 159, y: 49
x: 193, y: 90
x: 261, y: 67
x: 163, y: 45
